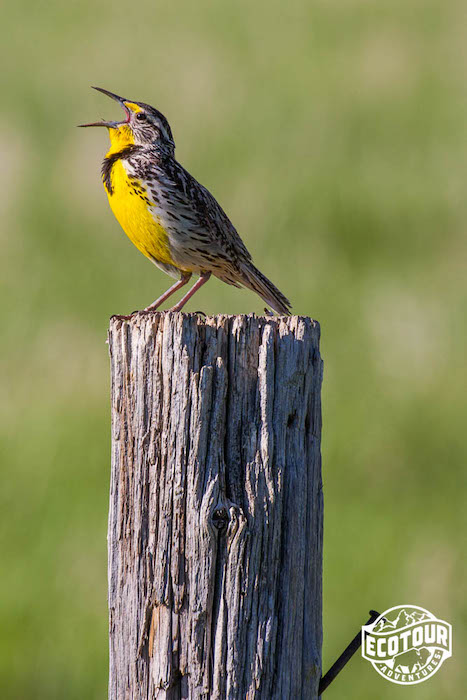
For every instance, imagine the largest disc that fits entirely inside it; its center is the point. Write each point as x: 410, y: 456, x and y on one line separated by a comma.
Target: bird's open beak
x: 121, y: 101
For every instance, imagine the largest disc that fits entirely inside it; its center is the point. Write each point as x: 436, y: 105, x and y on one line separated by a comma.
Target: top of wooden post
x: 301, y: 324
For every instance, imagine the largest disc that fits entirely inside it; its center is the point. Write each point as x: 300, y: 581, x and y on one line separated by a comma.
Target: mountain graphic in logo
x: 403, y: 619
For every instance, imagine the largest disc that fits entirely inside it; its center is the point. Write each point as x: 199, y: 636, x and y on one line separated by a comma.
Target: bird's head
x: 143, y: 125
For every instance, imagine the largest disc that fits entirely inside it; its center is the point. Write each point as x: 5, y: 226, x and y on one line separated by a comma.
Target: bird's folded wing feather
x: 210, y: 214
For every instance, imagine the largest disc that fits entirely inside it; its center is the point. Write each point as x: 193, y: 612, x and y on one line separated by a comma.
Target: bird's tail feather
x: 259, y: 283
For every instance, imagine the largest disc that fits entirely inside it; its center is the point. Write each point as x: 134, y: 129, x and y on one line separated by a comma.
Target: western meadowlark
x: 172, y: 219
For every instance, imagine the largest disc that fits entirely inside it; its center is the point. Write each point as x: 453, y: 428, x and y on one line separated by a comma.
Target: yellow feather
x: 121, y: 136
x: 134, y: 107
x: 130, y: 206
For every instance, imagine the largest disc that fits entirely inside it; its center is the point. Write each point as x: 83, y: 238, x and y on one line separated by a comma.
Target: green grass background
x: 334, y: 134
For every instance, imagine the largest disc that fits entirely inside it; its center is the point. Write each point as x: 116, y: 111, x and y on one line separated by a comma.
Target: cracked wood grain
x: 216, y: 510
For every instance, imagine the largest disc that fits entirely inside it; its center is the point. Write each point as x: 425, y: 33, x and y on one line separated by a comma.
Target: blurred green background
x: 334, y: 134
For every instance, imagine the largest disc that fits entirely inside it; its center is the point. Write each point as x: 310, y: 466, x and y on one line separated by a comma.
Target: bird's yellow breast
x: 131, y: 204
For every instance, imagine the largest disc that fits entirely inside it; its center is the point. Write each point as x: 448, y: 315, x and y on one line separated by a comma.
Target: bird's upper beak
x: 121, y: 101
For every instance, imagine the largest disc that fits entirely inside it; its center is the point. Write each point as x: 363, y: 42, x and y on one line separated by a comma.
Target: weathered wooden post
x: 216, y: 511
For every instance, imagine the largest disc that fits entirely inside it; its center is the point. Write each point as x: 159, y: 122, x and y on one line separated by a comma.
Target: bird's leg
x: 185, y: 278
x: 203, y: 278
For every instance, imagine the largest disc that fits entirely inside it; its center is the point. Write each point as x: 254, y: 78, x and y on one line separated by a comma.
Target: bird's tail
x: 259, y: 283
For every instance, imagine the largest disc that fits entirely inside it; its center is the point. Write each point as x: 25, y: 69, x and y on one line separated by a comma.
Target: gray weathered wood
x: 216, y: 513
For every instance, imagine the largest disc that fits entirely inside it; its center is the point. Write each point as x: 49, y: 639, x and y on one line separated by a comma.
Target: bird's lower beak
x: 109, y: 125
x: 113, y: 124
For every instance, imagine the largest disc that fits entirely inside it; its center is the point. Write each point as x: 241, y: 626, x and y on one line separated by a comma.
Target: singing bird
x: 169, y: 216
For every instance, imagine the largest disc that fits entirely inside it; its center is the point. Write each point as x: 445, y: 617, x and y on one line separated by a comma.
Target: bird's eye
x: 141, y: 117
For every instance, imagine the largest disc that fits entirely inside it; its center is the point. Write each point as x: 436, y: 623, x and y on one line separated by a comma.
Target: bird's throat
x: 121, y: 137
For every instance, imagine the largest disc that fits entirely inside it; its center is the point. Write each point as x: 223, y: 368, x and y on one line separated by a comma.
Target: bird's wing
x: 210, y: 215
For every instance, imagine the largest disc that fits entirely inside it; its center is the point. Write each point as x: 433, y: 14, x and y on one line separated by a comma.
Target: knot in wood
x: 220, y: 519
